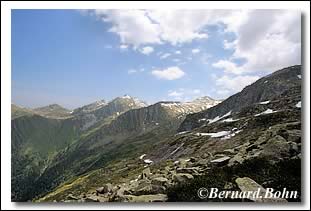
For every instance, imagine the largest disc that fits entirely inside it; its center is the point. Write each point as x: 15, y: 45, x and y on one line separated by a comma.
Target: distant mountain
x: 104, y: 141
x: 17, y: 111
x: 89, y: 108
x: 168, y: 114
x: 101, y: 112
x: 263, y: 89
x: 123, y: 125
x: 52, y: 111
x: 141, y: 157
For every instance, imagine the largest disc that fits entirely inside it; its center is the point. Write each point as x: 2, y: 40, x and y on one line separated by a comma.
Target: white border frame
x: 303, y: 6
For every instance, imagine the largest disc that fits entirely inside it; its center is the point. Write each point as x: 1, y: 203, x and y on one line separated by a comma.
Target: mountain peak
x: 53, y: 111
x: 132, y: 101
x: 126, y: 96
x: 204, y: 98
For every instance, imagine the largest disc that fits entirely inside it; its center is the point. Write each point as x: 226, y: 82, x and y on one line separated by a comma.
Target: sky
x: 76, y: 57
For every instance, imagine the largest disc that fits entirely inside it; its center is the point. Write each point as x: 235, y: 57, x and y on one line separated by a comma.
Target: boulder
x: 190, y: 170
x: 275, y: 149
x: 161, y: 181
x: 182, y: 163
x: 229, y: 151
x: 107, y: 188
x: 202, y: 162
x: 221, y: 161
x: 71, y: 197
x: 147, y: 198
x: 247, y: 184
x: 146, y: 173
x: 91, y: 198
x: 179, y: 178
x: 237, y: 159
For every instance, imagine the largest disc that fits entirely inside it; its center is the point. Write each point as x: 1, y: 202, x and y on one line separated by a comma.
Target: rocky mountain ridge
x: 143, y: 154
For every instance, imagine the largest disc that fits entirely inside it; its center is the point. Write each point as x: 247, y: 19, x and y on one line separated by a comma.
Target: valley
x: 125, y: 150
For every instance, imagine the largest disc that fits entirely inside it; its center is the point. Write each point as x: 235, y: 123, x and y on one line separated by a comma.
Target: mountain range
x: 127, y: 150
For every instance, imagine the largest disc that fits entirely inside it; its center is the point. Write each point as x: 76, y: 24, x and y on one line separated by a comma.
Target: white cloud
x: 185, y: 94
x: 177, y: 52
x: 139, y: 27
x: 233, y: 84
x: 133, y: 27
x: 164, y: 56
x: 176, y: 60
x: 267, y: 40
x: 170, y: 73
x: 195, y: 51
x: 147, y: 50
x: 123, y: 47
x: 227, y: 66
x: 132, y: 71
x: 229, y: 45
x: 175, y: 94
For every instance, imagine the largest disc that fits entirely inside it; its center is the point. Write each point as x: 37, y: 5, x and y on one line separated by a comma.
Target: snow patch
x: 148, y: 161
x: 298, y: 105
x: 219, y: 160
x: 230, y: 120
x: 265, y: 82
x: 217, y: 118
x: 299, y: 76
x: 183, y: 132
x: 201, y: 120
x: 264, y: 102
x: 231, y: 134
x: 215, y: 135
x: 268, y: 111
x: 142, y: 156
x: 126, y: 97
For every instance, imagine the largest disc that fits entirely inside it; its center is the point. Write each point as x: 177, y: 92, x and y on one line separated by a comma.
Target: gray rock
x: 247, y: 184
x: 107, y: 188
x: 237, y: 159
x: 91, y: 198
x: 71, y: 197
x: 202, y: 162
x: 221, y: 161
x: 146, y: 173
x: 160, y: 181
x: 190, y: 170
x: 229, y: 151
x: 179, y: 178
x: 147, y: 198
x: 275, y: 149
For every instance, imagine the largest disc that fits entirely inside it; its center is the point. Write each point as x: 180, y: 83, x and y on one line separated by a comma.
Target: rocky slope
x: 127, y: 134
x: 95, y: 135
x: 258, y: 144
x: 52, y: 111
x: 102, y: 112
x: 17, y: 111
x: 262, y: 90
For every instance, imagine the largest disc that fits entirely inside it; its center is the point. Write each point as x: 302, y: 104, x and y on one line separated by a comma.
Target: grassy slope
x: 35, y: 140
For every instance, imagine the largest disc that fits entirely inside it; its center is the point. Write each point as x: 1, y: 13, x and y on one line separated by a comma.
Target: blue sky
x: 73, y: 57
